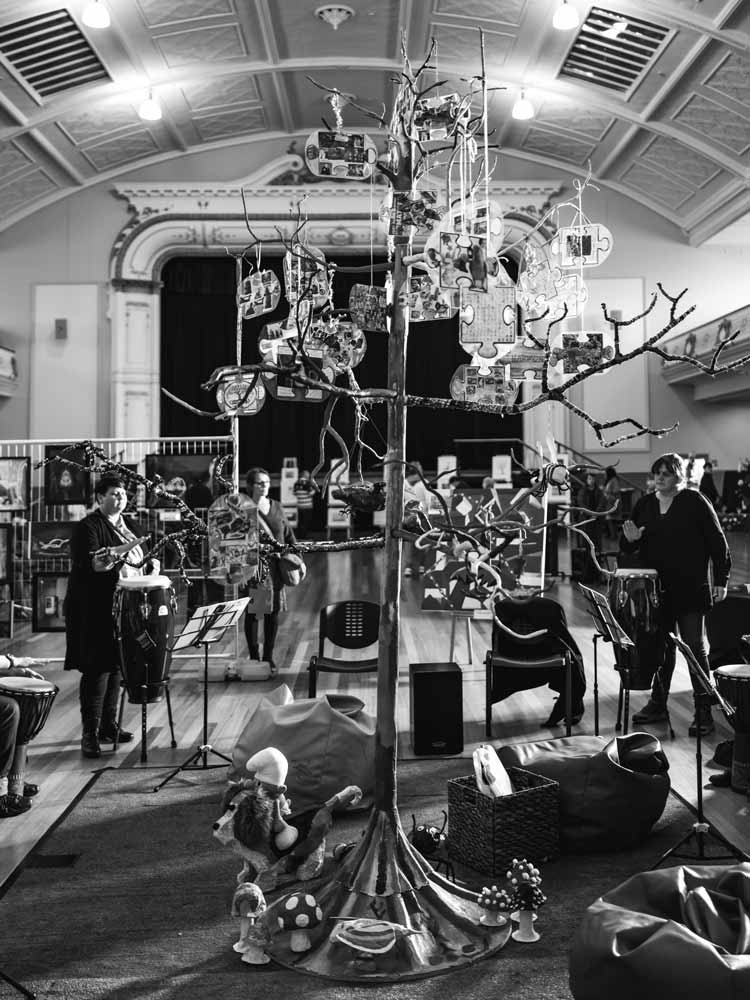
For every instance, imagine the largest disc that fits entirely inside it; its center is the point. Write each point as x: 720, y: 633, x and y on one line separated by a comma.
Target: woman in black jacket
x: 676, y: 532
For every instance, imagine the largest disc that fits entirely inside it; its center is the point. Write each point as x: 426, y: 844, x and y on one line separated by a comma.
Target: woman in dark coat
x: 271, y: 512
x: 676, y: 532
x: 90, y: 635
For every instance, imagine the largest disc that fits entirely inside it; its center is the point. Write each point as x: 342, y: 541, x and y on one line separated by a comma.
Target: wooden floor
x: 56, y: 763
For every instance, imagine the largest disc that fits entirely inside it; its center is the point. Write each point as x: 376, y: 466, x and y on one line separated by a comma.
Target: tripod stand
x: 608, y: 629
x: 206, y: 626
x: 701, y: 831
x: 17, y: 986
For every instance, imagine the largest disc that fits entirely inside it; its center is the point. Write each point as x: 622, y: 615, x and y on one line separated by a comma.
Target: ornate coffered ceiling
x: 677, y: 140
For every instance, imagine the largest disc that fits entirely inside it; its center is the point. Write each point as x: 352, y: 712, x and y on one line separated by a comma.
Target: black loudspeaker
x: 437, y: 708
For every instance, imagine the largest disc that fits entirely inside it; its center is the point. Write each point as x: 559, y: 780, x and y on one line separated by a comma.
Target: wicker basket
x: 486, y: 834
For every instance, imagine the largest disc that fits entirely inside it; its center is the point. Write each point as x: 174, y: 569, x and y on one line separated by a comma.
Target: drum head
x: 636, y: 574
x: 144, y: 583
x: 739, y: 671
x: 347, y: 704
x: 30, y: 685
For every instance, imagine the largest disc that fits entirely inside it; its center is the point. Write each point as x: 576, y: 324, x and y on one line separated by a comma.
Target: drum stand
x: 206, y: 626
x: 702, y: 832
x: 144, y: 714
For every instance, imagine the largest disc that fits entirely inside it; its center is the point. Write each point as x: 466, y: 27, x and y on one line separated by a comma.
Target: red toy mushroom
x: 300, y: 914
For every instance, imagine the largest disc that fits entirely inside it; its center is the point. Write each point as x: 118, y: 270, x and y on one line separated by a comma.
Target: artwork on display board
x: 6, y: 554
x: 65, y: 485
x: 49, y: 590
x: 450, y: 586
x: 6, y: 611
x: 14, y: 483
x: 186, y: 477
x: 51, y: 539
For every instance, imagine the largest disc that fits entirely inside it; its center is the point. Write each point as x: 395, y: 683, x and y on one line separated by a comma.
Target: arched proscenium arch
x: 201, y: 219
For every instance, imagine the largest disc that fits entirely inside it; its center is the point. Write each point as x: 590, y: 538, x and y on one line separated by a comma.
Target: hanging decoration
x: 582, y: 245
x: 338, y: 154
x: 427, y: 301
x: 472, y: 384
x: 260, y: 293
x: 305, y: 275
x: 488, y: 323
x: 238, y: 392
x: 580, y: 351
x: 341, y: 342
x: 368, y: 307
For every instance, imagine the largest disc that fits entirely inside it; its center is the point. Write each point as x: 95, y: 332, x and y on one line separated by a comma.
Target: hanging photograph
x: 185, y: 477
x: 51, y: 539
x: 65, y: 485
x: 6, y: 554
x: 261, y: 291
x: 463, y: 261
x: 14, y: 483
x: 344, y: 155
x: 47, y: 613
x: 368, y: 306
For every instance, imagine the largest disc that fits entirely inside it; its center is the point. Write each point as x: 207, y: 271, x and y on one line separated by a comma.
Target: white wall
x: 70, y: 243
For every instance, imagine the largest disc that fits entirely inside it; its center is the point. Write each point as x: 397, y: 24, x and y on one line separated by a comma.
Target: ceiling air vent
x: 50, y: 53
x: 613, y: 50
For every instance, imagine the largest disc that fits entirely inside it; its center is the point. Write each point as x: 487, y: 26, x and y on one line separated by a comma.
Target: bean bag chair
x: 326, y: 749
x: 611, y: 792
x: 678, y: 932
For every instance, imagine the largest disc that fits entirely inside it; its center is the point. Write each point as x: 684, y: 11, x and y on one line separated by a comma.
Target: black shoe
x: 110, y: 731
x: 556, y: 715
x: 13, y: 805
x: 723, y: 753
x: 273, y: 668
x: 254, y: 653
x: 704, y: 720
x: 721, y: 780
x: 652, y: 711
x: 90, y: 745
x: 29, y: 790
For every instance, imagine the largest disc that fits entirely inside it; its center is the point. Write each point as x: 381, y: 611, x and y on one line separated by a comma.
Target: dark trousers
x: 98, y: 694
x: 692, y: 630
x: 10, y: 714
x: 270, y: 630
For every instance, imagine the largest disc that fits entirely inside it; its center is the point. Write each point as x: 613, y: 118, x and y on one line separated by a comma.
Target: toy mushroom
x: 248, y: 903
x: 300, y: 914
x: 256, y: 941
x: 527, y: 897
x: 495, y: 902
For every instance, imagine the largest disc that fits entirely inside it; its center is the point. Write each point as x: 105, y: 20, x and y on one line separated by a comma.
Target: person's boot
x: 90, y: 743
x: 652, y: 711
x: 268, y: 656
x: 254, y: 653
x: 704, y: 719
x: 109, y: 731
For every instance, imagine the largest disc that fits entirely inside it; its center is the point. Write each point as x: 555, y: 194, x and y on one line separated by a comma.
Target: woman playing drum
x: 15, y: 793
x: 105, y: 546
x: 676, y: 532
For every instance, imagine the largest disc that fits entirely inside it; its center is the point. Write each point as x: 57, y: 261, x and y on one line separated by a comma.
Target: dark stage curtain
x: 198, y: 335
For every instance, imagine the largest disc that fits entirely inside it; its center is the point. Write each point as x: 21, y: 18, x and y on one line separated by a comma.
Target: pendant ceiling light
x: 523, y: 109
x: 334, y: 14
x: 96, y: 15
x: 150, y: 109
x: 566, y: 17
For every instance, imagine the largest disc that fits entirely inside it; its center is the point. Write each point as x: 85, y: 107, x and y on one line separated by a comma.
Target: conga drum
x: 635, y: 599
x: 144, y: 611
x: 35, y: 698
x: 733, y: 682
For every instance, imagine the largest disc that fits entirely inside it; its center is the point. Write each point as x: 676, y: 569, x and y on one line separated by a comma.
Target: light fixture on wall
x: 523, y: 109
x: 150, y: 109
x: 334, y: 14
x: 566, y: 17
x: 96, y: 15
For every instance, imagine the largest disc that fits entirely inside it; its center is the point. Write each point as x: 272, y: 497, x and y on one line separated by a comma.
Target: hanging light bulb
x: 150, y: 109
x: 523, y: 109
x: 566, y: 17
x: 96, y: 15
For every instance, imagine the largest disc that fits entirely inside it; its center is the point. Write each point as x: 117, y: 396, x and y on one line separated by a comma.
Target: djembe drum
x: 635, y: 599
x: 34, y: 698
x: 733, y: 682
x: 144, y: 612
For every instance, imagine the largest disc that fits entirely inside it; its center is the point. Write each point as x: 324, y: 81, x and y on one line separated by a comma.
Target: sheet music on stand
x: 608, y: 626
x: 208, y: 624
x: 705, y: 680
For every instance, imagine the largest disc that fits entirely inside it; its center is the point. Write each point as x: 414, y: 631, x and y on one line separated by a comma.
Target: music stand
x: 609, y: 630
x: 206, y: 626
x: 701, y: 830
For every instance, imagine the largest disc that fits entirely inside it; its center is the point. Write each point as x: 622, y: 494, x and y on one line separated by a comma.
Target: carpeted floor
x: 128, y: 899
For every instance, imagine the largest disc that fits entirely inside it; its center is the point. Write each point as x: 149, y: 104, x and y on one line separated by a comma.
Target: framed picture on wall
x: 51, y: 539
x: 65, y: 485
x: 14, y: 483
x: 184, y: 476
x: 6, y: 611
x: 49, y: 590
x: 6, y: 554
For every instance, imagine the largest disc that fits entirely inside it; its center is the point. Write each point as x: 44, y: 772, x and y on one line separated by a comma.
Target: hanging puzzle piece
x: 413, y: 211
x: 582, y: 246
x: 368, y: 306
x: 525, y: 363
x: 241, y: 395
x: 343, y: 155
x: 437, y: 118
x: 570, y: 291
x: 272, y: 335
x: 477, y: 219
x: 259, y: 293
x: 488, y: 324
x: 342, y: 343
x: 463, y: 261
x: 233, y: 538
x: 581, y: 351
x: 536, y: 288
x: 305, y: 275
x: 469, y: 384
x: 428, y: 302
x: 281, y: 387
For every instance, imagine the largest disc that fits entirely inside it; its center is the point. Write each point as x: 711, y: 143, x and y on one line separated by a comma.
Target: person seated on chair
x: 91, y: 646
x: 271, y: 521
x: 15, y: 793
x: 676, y: 532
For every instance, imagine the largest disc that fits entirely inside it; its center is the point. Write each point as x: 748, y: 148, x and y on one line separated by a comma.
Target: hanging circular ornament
x: 241, y: 395
x: 477, y: 218
x: 317, y: 367
x: 260, y: 293
x: 469, y: 384
x: 305, y: 275
x: 342, y: 343
x: 427, y: 301
x: 340, y: 155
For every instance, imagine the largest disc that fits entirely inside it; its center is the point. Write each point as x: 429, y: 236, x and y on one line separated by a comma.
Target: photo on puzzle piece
x: 368, y: 306
x: 261, y: 292
x: 463, y: 262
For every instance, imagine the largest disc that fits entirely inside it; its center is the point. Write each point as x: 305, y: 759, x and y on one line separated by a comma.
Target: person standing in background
x: 416, y: 497
x: 708, y: 486
x: 612, y: 489
x: 304, y: 491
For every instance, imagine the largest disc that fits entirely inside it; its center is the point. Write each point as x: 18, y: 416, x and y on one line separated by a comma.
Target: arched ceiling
x: 672, y: 134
